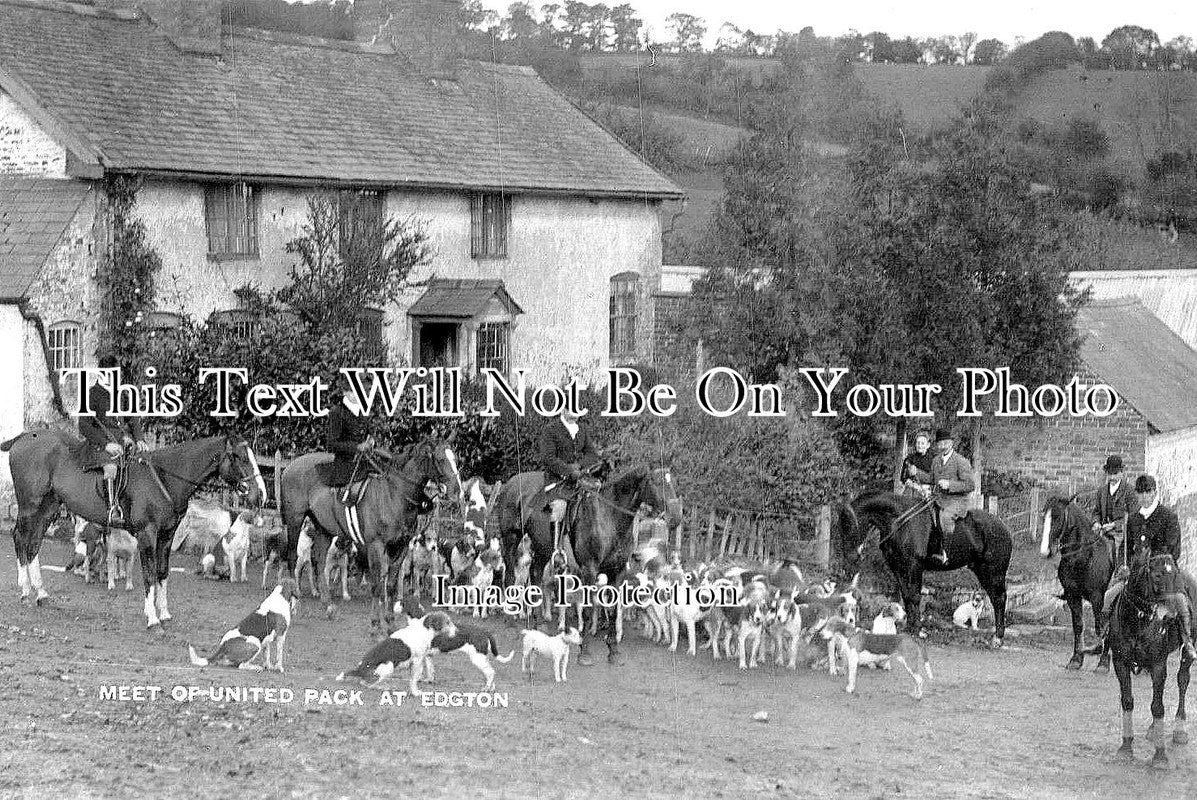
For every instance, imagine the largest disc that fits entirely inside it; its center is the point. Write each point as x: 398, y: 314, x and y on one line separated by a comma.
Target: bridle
x: 229, y: 453
x: 1073, y: 548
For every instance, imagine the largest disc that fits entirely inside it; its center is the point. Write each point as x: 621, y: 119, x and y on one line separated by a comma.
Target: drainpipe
x: 56, y: 393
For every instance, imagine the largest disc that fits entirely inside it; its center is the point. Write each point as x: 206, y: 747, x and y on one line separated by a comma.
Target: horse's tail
x: 196, y: 659
x: 6, y: 446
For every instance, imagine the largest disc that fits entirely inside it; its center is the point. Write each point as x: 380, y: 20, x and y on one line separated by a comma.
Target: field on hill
x: 925, y: 94
x: 1001, y: 724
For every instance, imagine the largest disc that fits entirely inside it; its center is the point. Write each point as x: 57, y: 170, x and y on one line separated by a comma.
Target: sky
x: 1004, y: 19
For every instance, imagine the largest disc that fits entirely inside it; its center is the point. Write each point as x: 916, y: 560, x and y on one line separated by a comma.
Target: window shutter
x: 475, y: 225
x: 504, y: 216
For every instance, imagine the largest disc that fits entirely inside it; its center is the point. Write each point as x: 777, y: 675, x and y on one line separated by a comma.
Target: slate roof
x: 1146, y: 362
x: 34, y: 214
x: 461, y: 299
x: 273, y: 107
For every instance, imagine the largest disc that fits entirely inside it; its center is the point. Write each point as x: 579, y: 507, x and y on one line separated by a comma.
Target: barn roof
x: 34, y: 214
x: 462, y: 298
x: 276, y: 108
x: 1146, y: 362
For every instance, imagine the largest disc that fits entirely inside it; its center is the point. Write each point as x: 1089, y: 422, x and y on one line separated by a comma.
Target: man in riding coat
x: 952, y: 483
x: 348, y: 440
x: 566, y: 450
x: 110, y: 437
x: 1155, y: 530
x: 1114, y: 505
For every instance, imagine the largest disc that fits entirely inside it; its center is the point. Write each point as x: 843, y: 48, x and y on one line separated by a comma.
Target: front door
x: 438, y: 344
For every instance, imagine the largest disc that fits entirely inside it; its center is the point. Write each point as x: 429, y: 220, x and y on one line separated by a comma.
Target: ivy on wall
x: 125, y: 276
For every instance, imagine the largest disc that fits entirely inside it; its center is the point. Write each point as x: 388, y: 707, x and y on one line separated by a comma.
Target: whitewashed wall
x: 1172, y: 459
x: 26, y: 149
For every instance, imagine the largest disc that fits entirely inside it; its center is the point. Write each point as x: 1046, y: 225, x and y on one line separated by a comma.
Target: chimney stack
x: 422, y: 31
x: 193, y: 25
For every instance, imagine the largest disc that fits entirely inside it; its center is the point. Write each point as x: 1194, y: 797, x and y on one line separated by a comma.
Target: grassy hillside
x: 1142, y: 112
x: 925, y: 94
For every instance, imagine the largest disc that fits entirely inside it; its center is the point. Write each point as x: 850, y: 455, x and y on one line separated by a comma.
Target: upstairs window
x: 625, y: 288
x: 231, y: 213
x: 490, y: 220
x: 362, y: 217
x: 64, y: 343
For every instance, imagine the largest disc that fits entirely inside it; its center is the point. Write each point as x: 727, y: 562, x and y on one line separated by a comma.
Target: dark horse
x: 979, y: 541
x: 386, y: 512
x: 46, y: 474
x: 1140, y: 639
x: 1086, y: 564
x: 603, y: 535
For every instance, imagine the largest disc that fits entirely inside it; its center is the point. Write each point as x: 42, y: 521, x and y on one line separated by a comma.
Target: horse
x: 1086, y: 565
x: 603, y: 534
x: 979, y: 541
x: 46, y: 473
x: 386, y: 512
x: 1139, y: 639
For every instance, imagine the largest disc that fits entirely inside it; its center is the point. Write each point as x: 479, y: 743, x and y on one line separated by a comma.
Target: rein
x: 901, y: 520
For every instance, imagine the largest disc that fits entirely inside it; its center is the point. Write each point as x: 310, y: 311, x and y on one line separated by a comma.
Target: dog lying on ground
x: 968, y: 614
x: 122, y: 552
x: 555, y: 647
x: 254, y: 634
x: 407, y: 646
x: 861, y: 648
x: 236, y: 545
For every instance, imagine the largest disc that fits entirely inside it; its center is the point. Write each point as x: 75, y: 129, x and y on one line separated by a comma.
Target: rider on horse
x: 566, y: 450
x: 111, y: 438
x: 1155, y: 529
x: 951, y: 480
x: 1114, y: 504
x: 349, y: 440
x: 916, y: 468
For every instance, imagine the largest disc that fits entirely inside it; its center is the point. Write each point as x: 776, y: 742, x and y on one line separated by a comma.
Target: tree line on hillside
x: 577, y: 27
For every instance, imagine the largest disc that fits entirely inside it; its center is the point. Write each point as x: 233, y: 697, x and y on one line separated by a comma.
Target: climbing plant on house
x: 125, y: 276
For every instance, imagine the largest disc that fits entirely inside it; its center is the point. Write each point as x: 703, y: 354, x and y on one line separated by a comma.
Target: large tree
x: 687, y: 32
x: 1130, y: 46
x: 988, y: 52
x: 625, y: 28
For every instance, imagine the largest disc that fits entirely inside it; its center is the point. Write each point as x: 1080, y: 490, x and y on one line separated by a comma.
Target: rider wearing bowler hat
x: 952, y: 483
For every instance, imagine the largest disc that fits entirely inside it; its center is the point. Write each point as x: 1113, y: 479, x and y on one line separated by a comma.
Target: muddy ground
x: 993, y: 724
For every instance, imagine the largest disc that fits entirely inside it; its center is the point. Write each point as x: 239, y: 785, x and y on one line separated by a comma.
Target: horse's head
x: 1055, y: 520
x: 1162, y: 574
x: 851, y: 533
x: 433, y: 460
x: 239, y: 468
x: 659, y: 492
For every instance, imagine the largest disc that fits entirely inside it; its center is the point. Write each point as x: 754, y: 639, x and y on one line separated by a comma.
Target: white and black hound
x: 254, y: 634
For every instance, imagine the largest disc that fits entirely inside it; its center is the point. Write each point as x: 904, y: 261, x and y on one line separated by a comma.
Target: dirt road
x: 993, y: 724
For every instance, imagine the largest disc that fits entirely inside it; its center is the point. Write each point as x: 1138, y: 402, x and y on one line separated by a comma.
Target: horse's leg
x: 162, y: 551
x: 588, y: 575
x: 910, y: 586
x: 29, y: 570
x: 1122, y: 671
x: 388, y: 604
x: 615, y: 633
x: 1180, y: 734
x: 1097, y: 600
x: 1076, y: 607
x: 994, y: 586
x: 321, y: 543
x: 376, y: 554
x: 1159, y: 677
x: 147, y: 541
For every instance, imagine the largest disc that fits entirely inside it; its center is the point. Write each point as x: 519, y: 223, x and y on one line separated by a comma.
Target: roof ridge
x: 78, y: 9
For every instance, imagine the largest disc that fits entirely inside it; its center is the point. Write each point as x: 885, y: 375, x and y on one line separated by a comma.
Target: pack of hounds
x: 779, y: 616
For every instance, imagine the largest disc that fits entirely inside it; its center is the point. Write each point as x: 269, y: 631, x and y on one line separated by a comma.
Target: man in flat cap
x: 952, y: 482
x: 1114, y: 504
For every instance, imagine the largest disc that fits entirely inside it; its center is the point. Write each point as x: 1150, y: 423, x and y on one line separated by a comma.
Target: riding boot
x: 1184, y: 617
x: 935, y: 548
x: 114, y: 506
